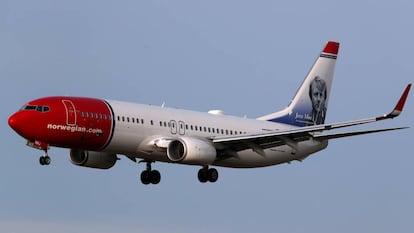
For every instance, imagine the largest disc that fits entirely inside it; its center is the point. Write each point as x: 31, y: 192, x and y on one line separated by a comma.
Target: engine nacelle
x: 191, y: 151
x: 92, y: 159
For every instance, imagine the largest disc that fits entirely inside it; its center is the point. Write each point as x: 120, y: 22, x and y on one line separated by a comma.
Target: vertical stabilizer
x: 310, y: 103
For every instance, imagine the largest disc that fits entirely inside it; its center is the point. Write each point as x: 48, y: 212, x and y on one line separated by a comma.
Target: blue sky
x: 245, y: 57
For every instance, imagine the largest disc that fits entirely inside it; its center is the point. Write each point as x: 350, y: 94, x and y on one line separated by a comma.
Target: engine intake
x: 92, y: 159
x: 191, y: 151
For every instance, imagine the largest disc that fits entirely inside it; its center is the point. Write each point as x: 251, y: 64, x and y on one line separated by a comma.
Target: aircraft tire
x: 42, y: 160
x: 203, y: 175
x: 47, y: 160
x: 212, y: 175
x: 155, y: 177
x: 146, y: 177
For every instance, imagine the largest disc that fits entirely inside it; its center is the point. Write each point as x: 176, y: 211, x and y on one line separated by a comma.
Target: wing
x: 259, y: 142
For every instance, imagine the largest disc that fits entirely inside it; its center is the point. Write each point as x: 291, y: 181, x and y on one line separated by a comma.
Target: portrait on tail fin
x: 317, y: 95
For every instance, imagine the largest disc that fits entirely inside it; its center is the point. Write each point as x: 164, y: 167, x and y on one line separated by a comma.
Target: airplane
x: 97, y: 131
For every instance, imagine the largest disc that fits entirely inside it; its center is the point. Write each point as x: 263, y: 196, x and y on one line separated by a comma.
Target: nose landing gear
x: 45, y: 159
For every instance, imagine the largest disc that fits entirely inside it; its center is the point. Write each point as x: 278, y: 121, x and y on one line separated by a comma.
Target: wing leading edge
x: 259, y: 142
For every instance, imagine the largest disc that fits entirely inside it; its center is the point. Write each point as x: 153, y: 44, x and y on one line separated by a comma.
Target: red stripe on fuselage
x: 72, y: 122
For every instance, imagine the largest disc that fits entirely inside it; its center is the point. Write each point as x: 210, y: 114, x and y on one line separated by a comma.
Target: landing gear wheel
x: 212, y: 175
x: 205, y: 174
x: 149, y: 176
x: 42, y: 160
x: 155, y: 177
x: 145, y: 177
x: 202, y: 175
x: 45, y: 160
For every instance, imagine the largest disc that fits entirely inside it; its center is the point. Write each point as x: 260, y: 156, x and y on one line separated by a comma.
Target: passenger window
x: 142, y: 121
x: 123, y: 119
x: 152, y: 122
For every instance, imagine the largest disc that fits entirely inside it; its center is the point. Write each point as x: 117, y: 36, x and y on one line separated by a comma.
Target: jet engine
x: 191, y: 151
x: 92, y: 159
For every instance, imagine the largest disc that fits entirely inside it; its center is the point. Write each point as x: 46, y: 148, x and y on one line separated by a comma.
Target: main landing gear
x: 150, y: 176
x: 207, y: 174
x: 45, y: 159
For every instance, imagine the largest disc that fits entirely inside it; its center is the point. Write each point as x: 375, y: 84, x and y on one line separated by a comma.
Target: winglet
x: 401, y: 102
x: 400, y: 105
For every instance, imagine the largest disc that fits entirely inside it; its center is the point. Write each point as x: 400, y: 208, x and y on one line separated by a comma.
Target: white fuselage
x: 138, y: 125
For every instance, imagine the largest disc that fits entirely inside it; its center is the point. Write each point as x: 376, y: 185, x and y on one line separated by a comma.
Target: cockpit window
x: 29, y: 107
x: 36, y: 108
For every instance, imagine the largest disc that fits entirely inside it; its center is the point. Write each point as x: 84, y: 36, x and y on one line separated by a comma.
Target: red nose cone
x: 17, y: 123
x: 13, y: 122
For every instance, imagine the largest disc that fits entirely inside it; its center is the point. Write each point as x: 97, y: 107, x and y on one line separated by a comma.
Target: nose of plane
x: 13, y: 121
x: 16, y: 122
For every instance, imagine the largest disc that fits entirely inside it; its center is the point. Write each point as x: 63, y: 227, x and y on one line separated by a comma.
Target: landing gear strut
x: 149, y: 176
x: 45, y: 159
x: 207, y: 174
